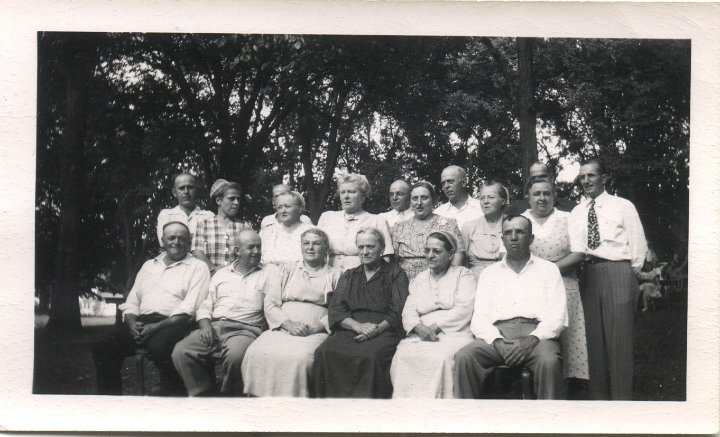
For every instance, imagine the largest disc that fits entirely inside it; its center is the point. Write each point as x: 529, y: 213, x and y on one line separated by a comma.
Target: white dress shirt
x: 621, y: 232
x: 170, y: 290
x: 392, y: 216
x: 470, y: 211
x: 536, y: 292
x: 178, y: 215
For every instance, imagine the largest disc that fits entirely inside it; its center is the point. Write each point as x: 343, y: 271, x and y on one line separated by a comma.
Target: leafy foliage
x: 260, y: 109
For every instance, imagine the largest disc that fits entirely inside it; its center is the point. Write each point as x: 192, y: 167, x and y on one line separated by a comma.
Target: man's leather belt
x: 518, y: 320
x: 225, y: 319
x: 596, y: 260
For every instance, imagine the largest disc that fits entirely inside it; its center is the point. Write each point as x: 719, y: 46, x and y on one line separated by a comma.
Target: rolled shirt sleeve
x: 132, y: 303
x: 635, y: 235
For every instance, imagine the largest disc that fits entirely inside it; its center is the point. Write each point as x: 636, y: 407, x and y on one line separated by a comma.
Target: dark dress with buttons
x: 345, y: 368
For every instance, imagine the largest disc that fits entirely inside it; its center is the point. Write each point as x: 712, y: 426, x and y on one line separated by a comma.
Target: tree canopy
x: 118, y: 114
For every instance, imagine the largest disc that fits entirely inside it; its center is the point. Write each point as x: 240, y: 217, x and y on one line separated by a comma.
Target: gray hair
x: 320, y: 233
x: 357, y: 179
x: 459, y: 170
x: 372, y: 231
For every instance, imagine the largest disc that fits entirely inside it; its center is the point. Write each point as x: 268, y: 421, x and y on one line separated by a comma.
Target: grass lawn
x: 64, y: 365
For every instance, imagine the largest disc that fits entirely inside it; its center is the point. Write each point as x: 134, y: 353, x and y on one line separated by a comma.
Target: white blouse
x: 448, y: 301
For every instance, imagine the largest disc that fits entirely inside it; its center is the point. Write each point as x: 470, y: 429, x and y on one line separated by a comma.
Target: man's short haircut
x: 240, y: 235
x: 224, y: 189
x: 176, y: 223
x: 372, y: 231
x: 460, y: 170
x: 405, y: 181
x: 538, y: 162
x: 600, y: 164
x: 182, y: 173
x: 513, y: 216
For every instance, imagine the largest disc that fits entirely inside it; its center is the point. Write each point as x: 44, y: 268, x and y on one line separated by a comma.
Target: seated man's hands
x: 207, y: 334
x: 516, y: 351
x: 145, y: 332
x: 136, y: 329
x: 426, y: 333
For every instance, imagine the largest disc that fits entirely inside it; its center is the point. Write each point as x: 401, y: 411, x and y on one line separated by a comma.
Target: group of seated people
x: 420, y: 301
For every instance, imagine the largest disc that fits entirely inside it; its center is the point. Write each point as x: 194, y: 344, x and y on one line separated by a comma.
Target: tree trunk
x: 526, y: 104
x: 65, y: 309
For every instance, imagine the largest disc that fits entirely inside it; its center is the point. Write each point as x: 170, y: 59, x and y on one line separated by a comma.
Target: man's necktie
x: 593, y: 240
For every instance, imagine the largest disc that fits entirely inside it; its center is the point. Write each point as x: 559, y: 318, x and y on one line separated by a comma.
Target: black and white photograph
x: 466, y: 222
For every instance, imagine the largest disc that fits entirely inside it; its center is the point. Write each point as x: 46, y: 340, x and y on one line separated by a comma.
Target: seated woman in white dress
x: 279, y: 362
x: 437, y: 317
x: 281, y: 243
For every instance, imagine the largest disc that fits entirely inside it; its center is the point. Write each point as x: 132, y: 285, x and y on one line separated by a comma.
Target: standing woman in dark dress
x: 364, y: 314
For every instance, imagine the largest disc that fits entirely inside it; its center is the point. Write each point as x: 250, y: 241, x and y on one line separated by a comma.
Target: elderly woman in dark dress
x: 364, y: 313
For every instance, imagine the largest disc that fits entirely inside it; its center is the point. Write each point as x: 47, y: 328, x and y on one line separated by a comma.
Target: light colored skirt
x: 573, y: 339
x: 424, y: 369
x: 280, y: 364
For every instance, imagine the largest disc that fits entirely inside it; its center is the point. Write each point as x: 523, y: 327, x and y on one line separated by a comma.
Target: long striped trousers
x: 609, y: 298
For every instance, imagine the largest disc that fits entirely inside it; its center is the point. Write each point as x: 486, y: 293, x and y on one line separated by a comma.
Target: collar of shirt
x: 300, y: 266
x: 180, y: 210
x: 354, y: 216
x: 599, y: 200
x: 161, y: 259
x: 232, y: 268
x: 471, y: 202
x: 527, y: 265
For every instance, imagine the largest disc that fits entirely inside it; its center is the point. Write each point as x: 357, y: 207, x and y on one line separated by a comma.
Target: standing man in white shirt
x: 187, y: 212
x: 399, y: 195
x: 460, y: 206
x: 607, y: 229
x: 520, y: 311
x: 272, y: 219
